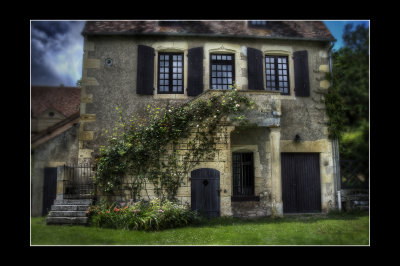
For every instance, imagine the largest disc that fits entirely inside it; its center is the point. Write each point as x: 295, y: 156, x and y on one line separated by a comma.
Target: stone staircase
x: 69, y: 211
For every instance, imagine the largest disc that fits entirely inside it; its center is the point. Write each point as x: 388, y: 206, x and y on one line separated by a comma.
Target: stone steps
x: 69, y: 211
x: 67, y: 220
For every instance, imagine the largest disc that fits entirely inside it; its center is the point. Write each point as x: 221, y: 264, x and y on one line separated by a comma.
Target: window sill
x: 245, y: 198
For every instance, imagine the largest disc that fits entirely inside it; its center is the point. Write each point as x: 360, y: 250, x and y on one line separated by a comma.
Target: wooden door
x: 301, y: 185
x: 49, y: 188
x: 205, y: 192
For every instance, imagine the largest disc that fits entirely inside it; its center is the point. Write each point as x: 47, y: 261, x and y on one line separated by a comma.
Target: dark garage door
x: 301, y: 185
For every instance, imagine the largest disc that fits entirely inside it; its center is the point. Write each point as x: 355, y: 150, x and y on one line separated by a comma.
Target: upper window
x: 277, y: 73
x: 170, y: 74
x: 222, y: 71
x: 170, y: 23
x: 258, y: 23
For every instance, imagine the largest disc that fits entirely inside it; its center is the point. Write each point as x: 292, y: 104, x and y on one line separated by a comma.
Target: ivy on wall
x: 146, y: 149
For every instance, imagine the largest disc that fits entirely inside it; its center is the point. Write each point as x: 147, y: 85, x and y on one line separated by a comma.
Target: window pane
x: 284, y: 66
x: 219, y: 74
x: 279, y: 60
x: 179, y: 82
x: 174, y: 58
x: 229, y: 81
x: 174, y: 64
x: 214, y: 67
x: 174, y: 82
x: 230, y: 74
x: 179, y: 76
x: 273, y: 72
x: 214, y: 74
x: 162, y: 82
x: 166, y: 57
x: 214, y: 81
x: 284, y: 72
x: 272, y: 59
x: 225, y: 87
x: 267, y: 59
x: 162, y: 63
x: 229, y: 68
x: 213, y: 57
x: 268, y: 77
x: 228, y: 57
x: 214, y: 86
x: 218, y: 67
x: 224, y: 81
x: 218, y: 57
x: 224, y: 74
x: 268, y: 71
x: 223, y: 67
x: 223, y: 57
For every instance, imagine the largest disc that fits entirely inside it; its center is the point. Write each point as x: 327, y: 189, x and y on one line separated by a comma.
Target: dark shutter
x: 195, y: 71
x: 301, y: 78
x: 255, y: 69
x: 145, y: 70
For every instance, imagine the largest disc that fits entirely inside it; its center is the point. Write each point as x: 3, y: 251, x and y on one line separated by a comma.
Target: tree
x: 351, y: 78
x: 351, y: 74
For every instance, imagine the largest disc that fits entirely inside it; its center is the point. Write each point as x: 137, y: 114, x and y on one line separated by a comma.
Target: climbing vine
x: 146, y: 149
x: 335, y: 110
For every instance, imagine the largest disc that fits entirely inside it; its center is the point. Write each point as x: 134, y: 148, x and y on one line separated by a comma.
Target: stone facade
x: 279, y: 117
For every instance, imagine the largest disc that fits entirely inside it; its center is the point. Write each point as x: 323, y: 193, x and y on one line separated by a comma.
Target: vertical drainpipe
x: 335, y: 144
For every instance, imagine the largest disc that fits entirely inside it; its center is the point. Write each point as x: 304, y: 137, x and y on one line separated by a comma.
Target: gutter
x: 335, y: 142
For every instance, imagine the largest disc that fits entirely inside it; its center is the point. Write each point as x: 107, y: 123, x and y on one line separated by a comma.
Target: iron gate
x: 78, y: 181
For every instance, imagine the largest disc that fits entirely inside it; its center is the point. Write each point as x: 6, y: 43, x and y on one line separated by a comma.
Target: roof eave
x: 207, y: 35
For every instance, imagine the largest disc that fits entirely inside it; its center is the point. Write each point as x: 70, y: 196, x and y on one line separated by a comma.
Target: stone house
x: 54, y: 140
x: 284, y: 165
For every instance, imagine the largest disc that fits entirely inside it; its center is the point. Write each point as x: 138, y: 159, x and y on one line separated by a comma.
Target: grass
x: 331, y: 229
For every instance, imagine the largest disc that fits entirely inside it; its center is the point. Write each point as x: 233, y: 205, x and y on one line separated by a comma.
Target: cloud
x: 56, y: 52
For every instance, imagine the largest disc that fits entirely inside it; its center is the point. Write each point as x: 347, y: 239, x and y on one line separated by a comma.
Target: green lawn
x: 331, y: 229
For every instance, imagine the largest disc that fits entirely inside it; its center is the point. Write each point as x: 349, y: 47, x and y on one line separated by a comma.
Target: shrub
x: 142, y: 215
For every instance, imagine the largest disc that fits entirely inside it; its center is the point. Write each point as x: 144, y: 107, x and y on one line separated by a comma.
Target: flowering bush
x: 153, y: 215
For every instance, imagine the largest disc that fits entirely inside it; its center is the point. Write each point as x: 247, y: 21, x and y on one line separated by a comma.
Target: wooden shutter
x: 301, y: 76
x: 255, y: 69
x: 145, y: 70
x: 195, y: 71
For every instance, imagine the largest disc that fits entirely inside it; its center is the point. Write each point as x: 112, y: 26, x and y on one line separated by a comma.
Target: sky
x: 57, y: 50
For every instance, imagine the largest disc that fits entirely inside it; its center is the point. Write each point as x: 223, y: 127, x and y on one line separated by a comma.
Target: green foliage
x: 148, y: 216
x: 137, y: 148
x: 335, y: 110
x: 351, y: 74
x: 348, y: 99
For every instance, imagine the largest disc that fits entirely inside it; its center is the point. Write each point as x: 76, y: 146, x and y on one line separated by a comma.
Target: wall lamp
x: 297, y: 138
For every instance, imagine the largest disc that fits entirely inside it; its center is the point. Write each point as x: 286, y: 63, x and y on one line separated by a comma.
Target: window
x: 258, y: 23
x: 170, y: 73
x: 170, y: 23
x: 243, y: 174
x: 277, y: 73
x: 222, y: 71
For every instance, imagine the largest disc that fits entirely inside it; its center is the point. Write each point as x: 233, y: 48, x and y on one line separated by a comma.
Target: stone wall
x: 106, y: 87
x: 60, y: 150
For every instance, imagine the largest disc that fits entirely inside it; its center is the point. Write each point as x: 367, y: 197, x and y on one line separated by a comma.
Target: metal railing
x: 351, y: 175
x: 78, y: 181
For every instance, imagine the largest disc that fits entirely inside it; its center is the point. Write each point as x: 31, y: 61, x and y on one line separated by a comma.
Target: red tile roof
x: 65, y: 100
x: 307, y: 30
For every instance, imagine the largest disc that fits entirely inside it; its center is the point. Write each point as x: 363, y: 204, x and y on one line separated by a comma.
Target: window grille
x: 222, y: 71
x: 243, y: 174
x: 277, y: 73
x: 170, y: 74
